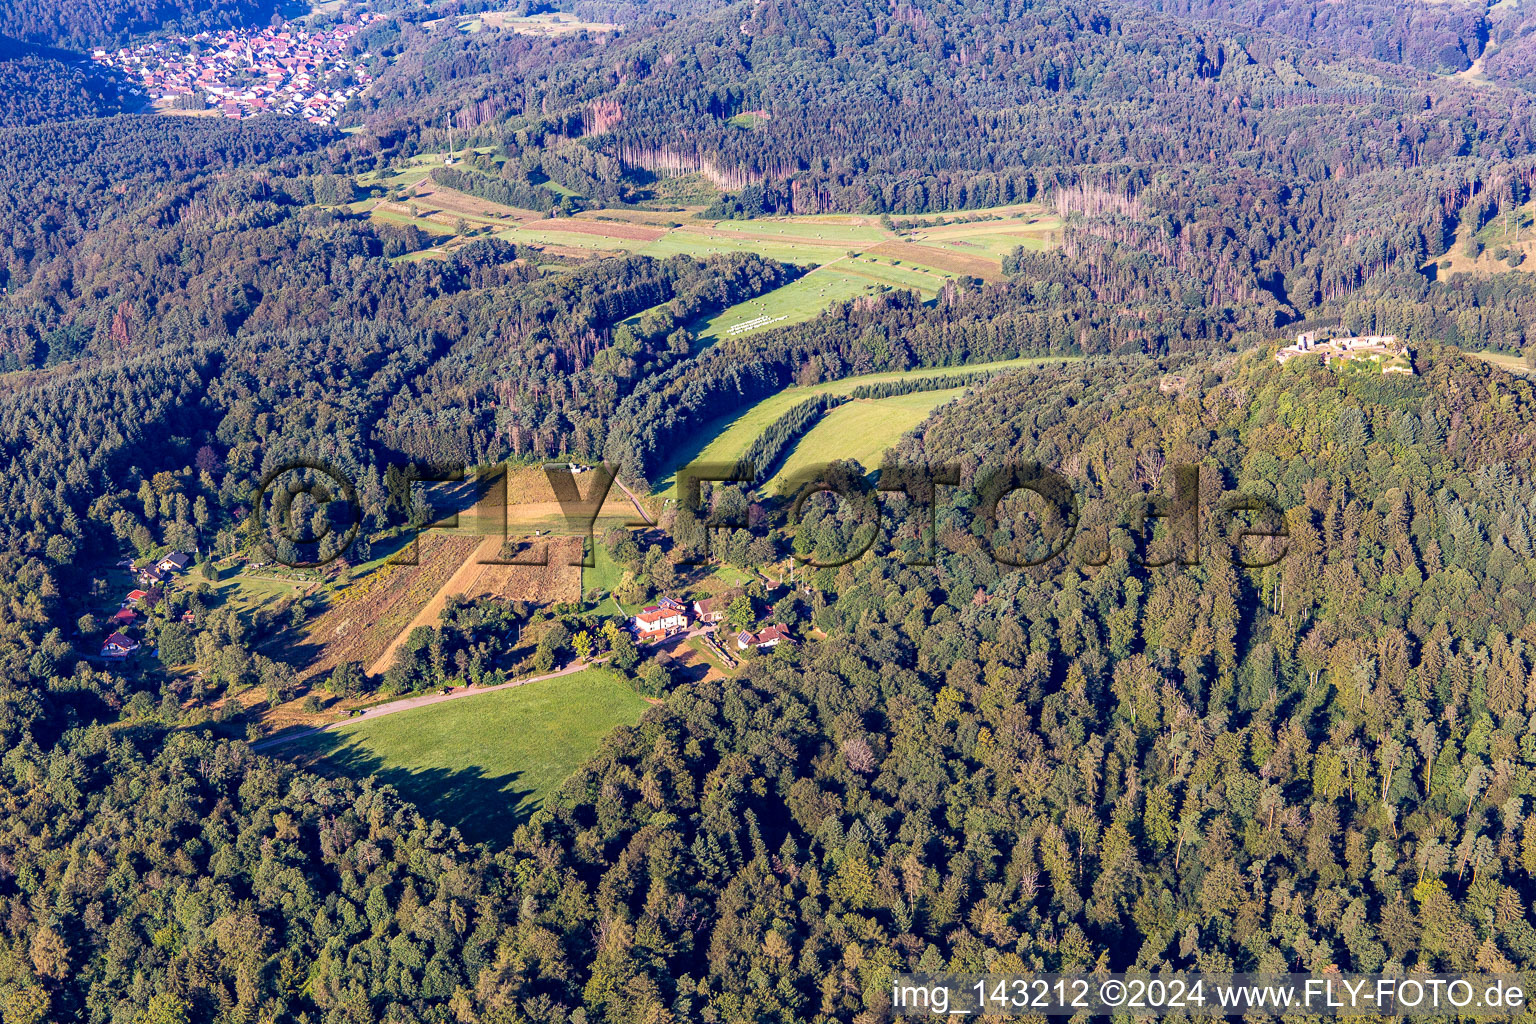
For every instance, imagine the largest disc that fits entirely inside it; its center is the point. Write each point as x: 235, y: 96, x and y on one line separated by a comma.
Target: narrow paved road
x: 425, y: 699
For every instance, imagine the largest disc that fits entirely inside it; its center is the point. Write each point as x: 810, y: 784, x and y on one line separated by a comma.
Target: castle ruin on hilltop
x: 1384, y: 350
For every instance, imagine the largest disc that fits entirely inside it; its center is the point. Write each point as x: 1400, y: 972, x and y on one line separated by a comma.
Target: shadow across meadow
x: 484, y: 808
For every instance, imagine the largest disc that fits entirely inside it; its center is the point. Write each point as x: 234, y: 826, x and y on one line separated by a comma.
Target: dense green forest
x: 39, y: 84
x: 964, y: 764
x: 82, y: 24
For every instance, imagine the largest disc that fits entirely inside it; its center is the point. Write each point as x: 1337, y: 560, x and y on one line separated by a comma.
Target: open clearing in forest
x: 483, y: 763
x: 861, y: 430
x: 247, y: 592
x: 369, y: 617
x: 726, y: 439
x: 1508, y: 234
x: 846, y: 254
x: 555, y: 23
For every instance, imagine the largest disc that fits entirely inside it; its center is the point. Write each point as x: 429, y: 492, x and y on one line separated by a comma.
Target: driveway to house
x: 409, y: 703
x: 633, y: 500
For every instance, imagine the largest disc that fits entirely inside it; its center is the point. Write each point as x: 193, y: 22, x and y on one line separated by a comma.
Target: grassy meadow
x: 483, y: 763
x: 1504, y: 361
x: 727, y: 438
x: 845, y: 255
x: 861, y: 430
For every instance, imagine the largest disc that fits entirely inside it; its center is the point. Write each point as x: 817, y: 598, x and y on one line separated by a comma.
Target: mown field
x: 845, y: 254
x: 727, y: 438
x: 483, y: 763
x: 861, y: 430
x: 247, y: 592
x: 802, y: 299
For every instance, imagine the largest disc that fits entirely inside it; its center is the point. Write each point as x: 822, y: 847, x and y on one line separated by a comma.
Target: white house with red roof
x: 118, y: 646
x: 659, y: 620
x: 767, y: 639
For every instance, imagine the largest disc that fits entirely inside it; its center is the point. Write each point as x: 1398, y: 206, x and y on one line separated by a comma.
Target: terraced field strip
x: 366, y: 617
x: 941, y: 259
x: 433, y: 609
x: 601, y: 228
x: 452, y: 200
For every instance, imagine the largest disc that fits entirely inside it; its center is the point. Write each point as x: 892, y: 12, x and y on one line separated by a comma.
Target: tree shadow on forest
x: 484, y: 808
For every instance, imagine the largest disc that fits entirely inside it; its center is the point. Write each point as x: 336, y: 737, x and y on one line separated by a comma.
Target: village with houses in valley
x: 309, y: 73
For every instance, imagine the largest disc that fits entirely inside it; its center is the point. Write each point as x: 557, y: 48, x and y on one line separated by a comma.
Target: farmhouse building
x: 713, y: 609
x: 768, y: 638
x: 656, y: 621
x: 174, y: 562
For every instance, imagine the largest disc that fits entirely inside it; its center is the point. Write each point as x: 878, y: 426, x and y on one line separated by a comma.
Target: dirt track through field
x: 457, y: 583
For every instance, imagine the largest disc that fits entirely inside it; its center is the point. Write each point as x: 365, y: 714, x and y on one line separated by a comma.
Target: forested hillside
x: 1319, y: 763
x: 82, y: 24
x: 1442, y: 37
x: 40, y: 84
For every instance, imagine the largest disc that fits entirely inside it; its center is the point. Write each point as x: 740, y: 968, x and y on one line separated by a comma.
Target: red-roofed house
x: 118, y: 646
x: 135, y: 596
x: 655, y: 622
x: 768, y: 638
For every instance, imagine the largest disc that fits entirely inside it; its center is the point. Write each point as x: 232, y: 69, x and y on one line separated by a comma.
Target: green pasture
x: 484, y: 763
x: 993, y: 245
x: 569, y: 239
x: 796, y: 302
x: 823, y: 229
x: 245, y: 592
x: 697, y: 243
x: 428, y: 226
x: 903, y: 273
x: 605, y: 573
x: 805, y: 297
x: 726, y: 438
x: 861, y: 430
x: 1504, y: 361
